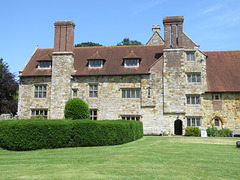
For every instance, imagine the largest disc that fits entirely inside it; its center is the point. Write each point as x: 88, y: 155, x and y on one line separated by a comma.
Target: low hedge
x: 34, y: 134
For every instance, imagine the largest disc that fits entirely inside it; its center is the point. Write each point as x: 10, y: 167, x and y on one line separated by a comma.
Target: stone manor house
x: 168, y: 84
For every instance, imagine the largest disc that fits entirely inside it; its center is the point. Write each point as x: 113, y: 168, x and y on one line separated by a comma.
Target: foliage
x: 193, y: 131
x: 224, y: 132
x: 128, y: 42
x: 35, y: 134
x: 87, y: 44
x: 213, y: 131
x: 8, y: 90
x: 76, y: 108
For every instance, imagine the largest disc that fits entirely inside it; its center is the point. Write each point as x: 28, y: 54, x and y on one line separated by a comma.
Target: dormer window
x: 44, y: 64
x: 131, y: 62
x: 97, y: 63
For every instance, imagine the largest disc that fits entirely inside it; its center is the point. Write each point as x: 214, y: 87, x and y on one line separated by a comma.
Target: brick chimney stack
x: 64, y: 36
x: 173, y: 31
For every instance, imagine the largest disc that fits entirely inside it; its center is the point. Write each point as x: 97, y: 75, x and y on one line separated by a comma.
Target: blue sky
x: 213, y: 24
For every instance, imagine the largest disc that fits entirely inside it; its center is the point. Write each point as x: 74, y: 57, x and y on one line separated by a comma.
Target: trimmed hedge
x: 20, y: 135
x: 192, y: 131
x: 76, y: 108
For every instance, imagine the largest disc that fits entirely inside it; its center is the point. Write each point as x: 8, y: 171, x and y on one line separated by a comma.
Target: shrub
x: 192, y: 131
x: 224, y: 133
x: 76, y: 108
x: 41, y: 133
x: 212, y: 131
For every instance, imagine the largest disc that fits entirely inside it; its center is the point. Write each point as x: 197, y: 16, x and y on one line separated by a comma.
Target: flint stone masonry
x: 166, y: 81
x: 60, y: 83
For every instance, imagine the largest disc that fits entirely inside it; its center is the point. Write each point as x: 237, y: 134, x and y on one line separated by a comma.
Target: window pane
x: 44, y: 88
x: 192, y: 99
x: 132, y: 93
x: 37, y: 112
x: 45, y: 112
x: 192, y: 56
x: 189, y: 78
x: 128, y: 93
x: 95, y: 94
x: 188, y: 99
x: 123, y: 93
x: 198, y: 122
x: 44, y: 95
x: 216, y: 122
x: 95, y: 112
x: 40, y: 95
x: 36, y: 88
x: 128, y: 118
x: 197, y: 100
x: 90, y: 87
x: 188, y: 122
x: 36, y: 95
x: 95, y: 87
x: 137, y: 93
x: 40, y: 88
x: 33, y: 112
x: 149, y: 91
x: 193, y: 78
x: 90, y: 94
x: 188, y: 57
x: 137, y: 118
x: 198, y: 78
x: 193, y: 121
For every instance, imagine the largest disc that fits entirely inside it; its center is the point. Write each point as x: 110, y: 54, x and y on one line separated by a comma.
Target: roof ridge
x: 222, y: 51
x: 117, y: 46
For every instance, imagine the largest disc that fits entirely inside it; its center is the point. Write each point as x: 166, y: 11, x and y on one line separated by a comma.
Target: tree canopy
x: 87, y: 44
x: 128, y: 42
x: 8, y: 90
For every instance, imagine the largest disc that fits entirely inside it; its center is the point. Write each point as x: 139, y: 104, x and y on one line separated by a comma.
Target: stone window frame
x: 41, y: 112
x: 93, y: 91
x: 74, y: 92
x: 190, y: 54
x: 93, y: 114
x: 94, y: 63
x: 134, y: 62
x: 194, y: 121
x: 130, y: 93
x: 217, y: 122
x: 41, y: 94
x: 131, y: 117
x: 193, y: 77
x: 193, y: 99
x: 217, y: 96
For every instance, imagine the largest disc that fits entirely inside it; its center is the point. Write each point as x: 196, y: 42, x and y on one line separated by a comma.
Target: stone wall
x: 227, y: 110
x: 61, y: 83
x: 26, y: 101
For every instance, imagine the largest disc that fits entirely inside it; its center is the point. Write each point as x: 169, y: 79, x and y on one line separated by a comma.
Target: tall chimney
x: 64, y: 36
x: 173, y: 31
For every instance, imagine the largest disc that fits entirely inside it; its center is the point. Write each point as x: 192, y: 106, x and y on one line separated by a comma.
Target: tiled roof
x: 113, y: 55
x: 223, y: 71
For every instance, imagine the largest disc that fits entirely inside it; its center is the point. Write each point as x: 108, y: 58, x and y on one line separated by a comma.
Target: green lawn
x: 147, y: 158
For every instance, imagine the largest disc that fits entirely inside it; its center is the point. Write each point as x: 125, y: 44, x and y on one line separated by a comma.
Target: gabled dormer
x: 96, y: 61
x: 45, y: 62
x: 131, y: 60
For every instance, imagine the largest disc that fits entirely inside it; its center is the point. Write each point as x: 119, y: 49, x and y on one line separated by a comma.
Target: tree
x: 128, y: 42
x: 87, y: 44
x: 8, y: 90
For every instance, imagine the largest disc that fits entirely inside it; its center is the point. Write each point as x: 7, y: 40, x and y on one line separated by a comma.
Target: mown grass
x: 147, y: 158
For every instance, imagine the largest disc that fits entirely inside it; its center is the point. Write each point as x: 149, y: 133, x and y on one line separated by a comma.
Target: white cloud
x: 212, y: 9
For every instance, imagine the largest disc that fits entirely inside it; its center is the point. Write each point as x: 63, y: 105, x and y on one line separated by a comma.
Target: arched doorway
x: 178, y: 127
